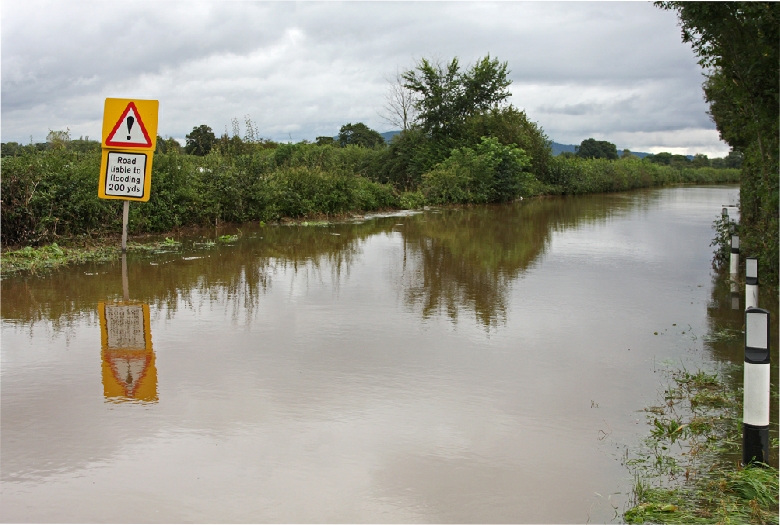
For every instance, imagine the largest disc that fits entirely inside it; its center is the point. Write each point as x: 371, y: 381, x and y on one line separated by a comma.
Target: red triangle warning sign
x: 129, y: 131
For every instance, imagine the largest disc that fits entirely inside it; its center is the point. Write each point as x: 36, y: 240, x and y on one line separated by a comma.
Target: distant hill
x: 388, y: 135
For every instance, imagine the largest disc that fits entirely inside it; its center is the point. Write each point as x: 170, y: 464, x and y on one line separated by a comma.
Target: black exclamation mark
x: 130, y: 122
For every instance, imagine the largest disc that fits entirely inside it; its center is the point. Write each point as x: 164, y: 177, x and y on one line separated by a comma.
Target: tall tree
x: 200, y: 140
x: 359, y: 135
x: 445, y: 96
x: 596, y: 149
x: 737, y: 44
x: 399, y: 108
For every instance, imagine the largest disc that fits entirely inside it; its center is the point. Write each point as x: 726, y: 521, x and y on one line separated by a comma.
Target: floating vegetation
x: 166, y: 246
x: 726, y: 335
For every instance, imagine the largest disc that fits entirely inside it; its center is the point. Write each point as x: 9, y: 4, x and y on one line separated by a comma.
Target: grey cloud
x: 571, y: 109
x: 304, y: 69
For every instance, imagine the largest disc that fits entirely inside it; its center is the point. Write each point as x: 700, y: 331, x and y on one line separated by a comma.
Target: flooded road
x: 486, y: 364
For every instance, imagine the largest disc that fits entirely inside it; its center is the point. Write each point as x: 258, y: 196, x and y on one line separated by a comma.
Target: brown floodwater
x: 485, y: 364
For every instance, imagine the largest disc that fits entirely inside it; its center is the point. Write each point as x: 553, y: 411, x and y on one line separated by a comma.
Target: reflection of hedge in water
x: 466, y: 259
x: 726, y: 337
x: 238, y: 274
x: 458, y: 259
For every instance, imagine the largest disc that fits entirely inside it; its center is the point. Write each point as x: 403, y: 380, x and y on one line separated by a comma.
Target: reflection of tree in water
x: 454, y: 260
x: 236, y: 275
x: 466, y: 259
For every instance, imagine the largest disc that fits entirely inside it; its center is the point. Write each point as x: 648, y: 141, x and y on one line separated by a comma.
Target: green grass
x: 736, y: 496
x: 686, y: 471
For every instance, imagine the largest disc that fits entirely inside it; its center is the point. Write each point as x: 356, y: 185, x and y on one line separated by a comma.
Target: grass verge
x: 688, y: 470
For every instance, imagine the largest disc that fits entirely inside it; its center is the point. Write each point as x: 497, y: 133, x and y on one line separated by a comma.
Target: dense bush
x: 53, y: 194
x: 488, y: 172
x: 511, y: 126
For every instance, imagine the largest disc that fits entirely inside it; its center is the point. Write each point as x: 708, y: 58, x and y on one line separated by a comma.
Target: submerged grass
x: 50, y: 257
x: 41, y: 259
x: 688, y: 470
x: 44, y: 258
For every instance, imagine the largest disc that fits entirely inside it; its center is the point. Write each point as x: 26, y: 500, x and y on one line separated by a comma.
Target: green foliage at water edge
x: 684, y: 472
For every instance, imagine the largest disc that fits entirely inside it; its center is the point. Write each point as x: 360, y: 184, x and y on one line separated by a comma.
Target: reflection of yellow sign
x: 129, y: 372
x: 129, y: 139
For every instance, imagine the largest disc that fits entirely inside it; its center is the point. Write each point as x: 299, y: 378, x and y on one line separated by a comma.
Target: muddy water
x: 476, y: 365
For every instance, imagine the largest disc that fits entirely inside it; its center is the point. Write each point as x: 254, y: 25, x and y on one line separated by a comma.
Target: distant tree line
x: 602, y: 149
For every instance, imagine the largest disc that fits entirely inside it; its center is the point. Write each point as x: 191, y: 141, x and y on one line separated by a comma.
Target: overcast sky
x: 614, y: 71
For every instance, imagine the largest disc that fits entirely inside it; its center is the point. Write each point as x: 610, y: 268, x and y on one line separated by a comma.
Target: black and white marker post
x: 751, y: 282
x: 734, y: 266
x: 755, y: 416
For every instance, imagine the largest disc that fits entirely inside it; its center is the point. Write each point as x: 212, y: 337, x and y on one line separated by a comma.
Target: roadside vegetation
x: 461, y: 143
x: 736, y: 43
x: 688, y: 470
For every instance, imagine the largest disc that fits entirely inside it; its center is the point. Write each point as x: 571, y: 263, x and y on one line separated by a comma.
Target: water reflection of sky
x: 324, y: 392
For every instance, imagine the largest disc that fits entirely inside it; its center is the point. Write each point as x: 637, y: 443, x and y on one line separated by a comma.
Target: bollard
x: 755, y: 415
x: 734, y: 266
x: 751, y: 283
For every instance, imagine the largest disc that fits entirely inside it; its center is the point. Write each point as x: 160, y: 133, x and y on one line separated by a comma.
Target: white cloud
x: 612, y: 70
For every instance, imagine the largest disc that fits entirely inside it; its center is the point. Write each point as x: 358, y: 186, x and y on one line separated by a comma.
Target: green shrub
x: 489, y: 172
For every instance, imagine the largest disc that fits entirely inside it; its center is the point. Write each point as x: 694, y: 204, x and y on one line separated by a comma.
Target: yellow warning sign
x: 129, y: 372
x: 129, y: 140
x: 130, y: 123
